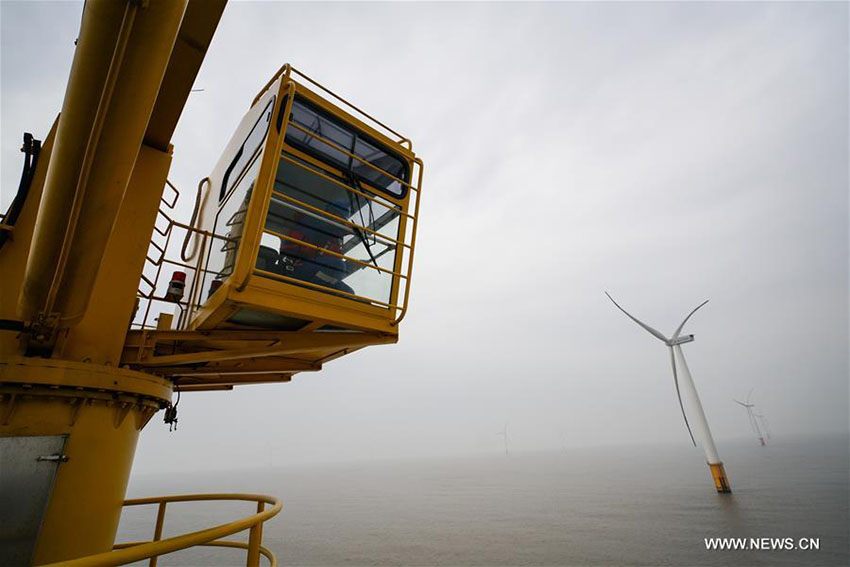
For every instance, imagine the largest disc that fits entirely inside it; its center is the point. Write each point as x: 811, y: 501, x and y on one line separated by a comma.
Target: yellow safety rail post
x: 157, y: 531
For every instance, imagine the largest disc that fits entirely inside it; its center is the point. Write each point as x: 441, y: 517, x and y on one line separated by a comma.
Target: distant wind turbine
x: 504, y: 433
x: 721, y: 482
x: 763, y: 420
x: 751, y: 415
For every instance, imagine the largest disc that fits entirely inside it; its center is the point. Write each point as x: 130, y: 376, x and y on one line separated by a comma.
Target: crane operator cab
x: 309, y: 218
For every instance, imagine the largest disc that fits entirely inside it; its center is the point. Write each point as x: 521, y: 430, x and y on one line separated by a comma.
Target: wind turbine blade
x: 641, y: 323
x: 679, y: 395
x: 756, y: 427
x: 754, y: 421
x: 679, y: 330
x: 741, y: 403
x: 764, y: 423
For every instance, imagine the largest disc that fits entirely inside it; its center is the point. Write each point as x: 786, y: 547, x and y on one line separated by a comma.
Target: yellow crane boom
x: 303, y: 252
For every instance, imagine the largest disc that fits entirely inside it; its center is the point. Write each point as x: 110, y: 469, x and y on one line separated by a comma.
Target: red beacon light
x: 176, y: 287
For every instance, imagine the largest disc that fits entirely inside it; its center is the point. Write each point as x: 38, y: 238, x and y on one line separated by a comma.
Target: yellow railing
x: 124, y: 553
x: 288, y: 70
x: 161, y: 251
x: 414, y: 187
x: 401, y: 271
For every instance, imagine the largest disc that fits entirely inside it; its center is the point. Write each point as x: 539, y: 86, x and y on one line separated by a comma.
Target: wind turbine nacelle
x: 682, y: 340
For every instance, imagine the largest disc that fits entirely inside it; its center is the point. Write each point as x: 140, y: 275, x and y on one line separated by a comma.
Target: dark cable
x: 11, y: 325
x: 31, y: 149
x: 171, y: 412
x: 352, y: 197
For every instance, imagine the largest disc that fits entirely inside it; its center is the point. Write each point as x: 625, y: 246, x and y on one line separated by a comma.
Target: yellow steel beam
x: 206, y: 388
x: 245, y: 366
x: 233, y: 380
x: 196, y: 31
x: 99, y: 337
x: 144, y: 338
x: 65, y: 374
x: 97, y: 57
x: 146, y: 57
x: 337, y: 354
x: 123, y: 51
x: 297, y: 343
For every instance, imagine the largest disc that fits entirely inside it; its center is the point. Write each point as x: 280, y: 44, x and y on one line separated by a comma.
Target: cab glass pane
x: 254, y: 141
x: 308, y: 124
x: 333, y: 238
x: 229, y: 224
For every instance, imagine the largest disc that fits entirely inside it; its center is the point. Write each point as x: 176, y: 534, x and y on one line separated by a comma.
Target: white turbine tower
x: 763, y: 420
x: 751, y: 415
x: 721, y: 482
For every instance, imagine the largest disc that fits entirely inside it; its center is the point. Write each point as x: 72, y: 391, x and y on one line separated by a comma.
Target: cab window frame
x: 357, y: 134
x: 228, y: 183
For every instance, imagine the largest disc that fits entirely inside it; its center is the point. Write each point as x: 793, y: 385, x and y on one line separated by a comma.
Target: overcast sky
x: 668, y: 153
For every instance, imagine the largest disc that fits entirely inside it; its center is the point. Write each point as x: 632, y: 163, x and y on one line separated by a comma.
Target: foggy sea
x: 602, y: 506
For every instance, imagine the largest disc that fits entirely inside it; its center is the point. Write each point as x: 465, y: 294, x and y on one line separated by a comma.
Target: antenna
x: 504, y: 433
x: 678, y: 363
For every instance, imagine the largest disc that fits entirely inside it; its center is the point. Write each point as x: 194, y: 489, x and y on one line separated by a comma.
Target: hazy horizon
x: 665, y: 152
x: 278, y: 460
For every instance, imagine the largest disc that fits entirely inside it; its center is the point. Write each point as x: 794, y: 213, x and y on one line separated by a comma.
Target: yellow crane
x: 299, y: 251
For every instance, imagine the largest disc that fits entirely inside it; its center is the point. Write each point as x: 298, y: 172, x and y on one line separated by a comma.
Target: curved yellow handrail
x: 128, y: 553
x: 264, y: 551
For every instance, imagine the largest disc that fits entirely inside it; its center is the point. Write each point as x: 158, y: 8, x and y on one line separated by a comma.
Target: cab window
x: 382, y: 166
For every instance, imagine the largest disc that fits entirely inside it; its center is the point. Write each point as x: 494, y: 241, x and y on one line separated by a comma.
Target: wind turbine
x: 752, y: 417
x: 674, y: 343
x: 504, y: 433
x: 764, y: 424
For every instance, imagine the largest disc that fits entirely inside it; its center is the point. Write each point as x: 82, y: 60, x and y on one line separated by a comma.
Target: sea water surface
x: 604, y: 506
